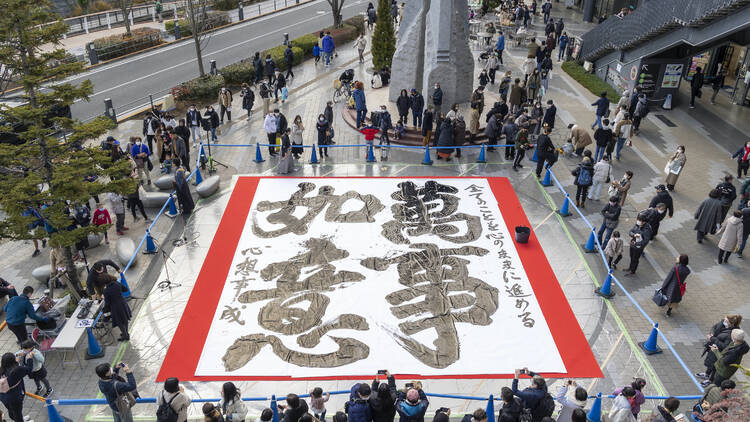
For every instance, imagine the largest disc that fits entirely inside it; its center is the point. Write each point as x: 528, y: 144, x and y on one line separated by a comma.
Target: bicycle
x: 342, y: 90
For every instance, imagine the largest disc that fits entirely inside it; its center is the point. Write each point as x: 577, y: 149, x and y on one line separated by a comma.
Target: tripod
x: 210, y: 159
x: 166, y: 284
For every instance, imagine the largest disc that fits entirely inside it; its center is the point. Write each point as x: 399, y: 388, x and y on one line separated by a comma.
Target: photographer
x: 568, y: 405
x: 383, y: 401
x: 535, y: 398
x: 412, y: 403
x: 720, y: 336
x: 522, y: 145
x: 112, y: 385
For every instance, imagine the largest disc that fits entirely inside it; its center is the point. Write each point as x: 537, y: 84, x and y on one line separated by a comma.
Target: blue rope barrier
x: 630, y: 297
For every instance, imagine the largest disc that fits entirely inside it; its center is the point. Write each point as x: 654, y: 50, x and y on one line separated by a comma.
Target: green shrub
x: 121, y: 44
x: 199, y: 89
x: 237, y: 73
x: 306, y: 43
x: 590, y: 81
x: 357, y: 22
x: 185, y: 30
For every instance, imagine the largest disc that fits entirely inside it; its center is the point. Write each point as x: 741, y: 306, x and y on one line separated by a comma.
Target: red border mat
x: 187, y: 345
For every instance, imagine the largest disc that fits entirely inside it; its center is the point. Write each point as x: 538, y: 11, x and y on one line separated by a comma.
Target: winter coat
x: 500, y: 44
x: 549, y: 116
x: 611, y: 214
x: 509, y: 130
x: 446, y: 137
x: 437, y: 97
x: 478, y: 98
x: 474, y: 121
x: 288, y: 57
x: 118, y: 203
x: 360, y: 103
x: 577, y: 173
x: 179, y: 403
x: 491, y: 130
x: 18, y: 308
x: 293, y: 415
x: 403, y: 103
x: 417, y: 103
x: 459, y: 132
x: 118, y: 307
x: 730, y: 356
x: 620, y: 411
x: 740, y: 154
x: 662, y: 415
x: 327, y: 44
x: 545, y: 148
x: 328, y: 114
x: 708, y: 216
x: 383, y: 406
x: 665, y: 198
x: 602, y: 171
x: 357, y: 408
x: 510, y: 412
x: 528, y: 66
x: 531, y: 49
x: 235, y: 410
x: 521, y: 141
x: 602, y: 136
x: 602, y: 105
x: 322, y: 127
x: 213, y: 116
x: 269, y: 67
x: 731, y: 233
x: 721, y: 336
x: 581, y: 137
x: 677, y: 158
x: 411, y: 412
x: 248, y: 98
x: 638, y: 400
x: 225, y: 98
x: 645, y: 236
x: 614, y: 247
x: 746, y: 221
x: 696, y: 83
x: 427, y: 119
x: 568, y: 405
x: 728, y: 193
x: 270, y: 124
x: 671, y: 285
x: 514, y: 98
x: 530, y: 397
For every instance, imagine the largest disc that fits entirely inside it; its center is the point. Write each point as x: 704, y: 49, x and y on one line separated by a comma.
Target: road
x: 128, y: 82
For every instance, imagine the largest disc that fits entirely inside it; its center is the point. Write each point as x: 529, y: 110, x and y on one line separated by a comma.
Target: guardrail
x: 85, y: 24
x: 593, y: 415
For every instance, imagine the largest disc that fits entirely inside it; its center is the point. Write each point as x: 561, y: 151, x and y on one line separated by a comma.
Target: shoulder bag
x: 683, y: 286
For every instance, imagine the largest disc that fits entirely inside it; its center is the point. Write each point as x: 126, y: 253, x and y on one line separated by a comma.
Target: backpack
x: 165, y: 413
x: 4, y: 387
x: 544, y: 408
x: 584, y: 176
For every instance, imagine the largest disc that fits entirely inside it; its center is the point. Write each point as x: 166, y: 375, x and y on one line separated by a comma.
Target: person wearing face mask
x: 719, y: 336
x: 640, y: 235
x: 140, y: 154
x: 213, y: 119
x: 225, y: 104
x: 193, y: 119
x: 611, y: 214
x: 653, y: 216
x: 112, y: 385
x: 323, y: 127
x: 675, y: 166
x: 437, y: 98
x: 743, y: 160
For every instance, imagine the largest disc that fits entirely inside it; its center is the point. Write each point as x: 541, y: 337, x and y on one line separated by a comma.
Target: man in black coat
x: 258, y: 66
x: 416, y: 104
x: 663, y: 197
x: 549, y: 115
x: 640, y: 235
x: 269, y: 68
x: 383, y: 400
x: 118, y: 307
x: 654, y: 216
x: 695, y: 86
x: 289, y: 60
x: 728, y: 193
x: 545, y: 152
x: 745, y: 229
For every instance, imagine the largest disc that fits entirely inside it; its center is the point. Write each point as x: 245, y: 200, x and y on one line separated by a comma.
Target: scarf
x: 746, y: 154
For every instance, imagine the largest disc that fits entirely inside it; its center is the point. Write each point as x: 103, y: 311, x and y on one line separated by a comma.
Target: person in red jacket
x: 369, y: 132
x: 100, y: 218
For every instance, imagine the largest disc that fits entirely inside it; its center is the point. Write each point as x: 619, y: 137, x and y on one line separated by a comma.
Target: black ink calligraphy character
x: 527, y: 321
x: 231, y: 314
x: 314, y: 205
x: 429, y: 209
x: 515, y: 291
x: 522, y: 303
x: 449, y: 295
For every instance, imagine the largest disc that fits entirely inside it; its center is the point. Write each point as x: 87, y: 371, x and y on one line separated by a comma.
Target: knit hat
x: 412, y: 395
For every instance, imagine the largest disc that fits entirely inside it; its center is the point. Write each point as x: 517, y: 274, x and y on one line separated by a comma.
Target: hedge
x: 243, y: 71
x: 590, y: 81
x: 215, y: 19
x: 121, y: 44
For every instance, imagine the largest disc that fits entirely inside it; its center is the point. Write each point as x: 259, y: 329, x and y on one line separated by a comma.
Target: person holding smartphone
x: 569, y: 405
x: 383, y: 400
x: 534, y: 397
x: 412, y: 403
x: 112, y: 386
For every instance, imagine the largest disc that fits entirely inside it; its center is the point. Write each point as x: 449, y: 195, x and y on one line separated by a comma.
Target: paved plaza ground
x: 709, y: 133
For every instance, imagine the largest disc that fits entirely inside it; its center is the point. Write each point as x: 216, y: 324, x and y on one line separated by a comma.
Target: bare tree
x: 126, y: 7
x: 198, y: 19
x: 336, y: 6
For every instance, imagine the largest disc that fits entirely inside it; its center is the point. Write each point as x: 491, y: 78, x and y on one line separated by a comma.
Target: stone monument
x: 433, y: 46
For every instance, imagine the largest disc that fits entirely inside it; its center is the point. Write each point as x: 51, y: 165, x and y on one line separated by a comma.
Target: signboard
x: 648, y: 74
x: 672, y: 75
x: 325, y: 278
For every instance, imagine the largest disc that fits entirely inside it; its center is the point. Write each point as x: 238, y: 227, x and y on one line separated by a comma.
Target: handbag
x: 683, y: 286
x: 124, y: 402
x: 609, y: 179
x: 660, y: 299
x: 612, y: 191
x: 149, y: 164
